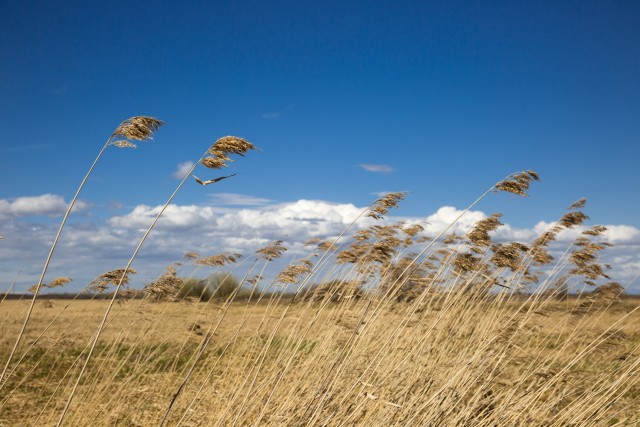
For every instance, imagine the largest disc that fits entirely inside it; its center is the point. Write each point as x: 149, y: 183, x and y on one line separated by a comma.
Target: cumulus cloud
x: 376, y: 168
x: 182, y: 170
x: 299, y: 220
x: 88, y: 249
x: 44, y: 205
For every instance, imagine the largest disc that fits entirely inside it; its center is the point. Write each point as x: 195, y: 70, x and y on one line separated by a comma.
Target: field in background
x: 512, y: 363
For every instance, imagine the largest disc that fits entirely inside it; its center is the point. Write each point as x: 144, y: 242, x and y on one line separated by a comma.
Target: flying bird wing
x: 211, y: 181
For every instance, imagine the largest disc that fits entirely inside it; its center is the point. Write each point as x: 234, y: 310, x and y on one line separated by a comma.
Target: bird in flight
x: 211, y: 181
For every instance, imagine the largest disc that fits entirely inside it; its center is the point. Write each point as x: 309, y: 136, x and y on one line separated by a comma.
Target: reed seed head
x: 601, y: 297
x: 166, y: 285
x: 59, y: 281
x: 254, y: 280
x: 381, y: 206
x: 578, y: 205
x: 272, y: 251
x: 113, y: 277
x: 518, y: 183
x: 412, y: 230
x: 571, y: 219
x: 467, y: 262
x: 191, y: 255
x: 596, y: 230
x: 479, y: 234
x: 291, y: 274
x: 222, y: 148
x: 122, y: 143
x: 219, y: 260
x: 139, y: 128
x: 327, y: 245
x: 508, y: 255
x: 213, y: 162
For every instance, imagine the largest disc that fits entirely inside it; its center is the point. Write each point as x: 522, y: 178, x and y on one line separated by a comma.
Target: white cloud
x: 447, y: 214
x: 376, y: 168
x: 44, y: 205
x: 174, y: 217
x: 234, y: 199
x: 183, y: 169
x: 271, y: 116
x: 87, y: 249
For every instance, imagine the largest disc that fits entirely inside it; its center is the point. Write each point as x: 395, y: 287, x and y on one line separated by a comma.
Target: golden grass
x: 340, y: 364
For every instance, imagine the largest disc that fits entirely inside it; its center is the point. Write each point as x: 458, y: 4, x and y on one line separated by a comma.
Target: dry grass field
x: 435, y: 363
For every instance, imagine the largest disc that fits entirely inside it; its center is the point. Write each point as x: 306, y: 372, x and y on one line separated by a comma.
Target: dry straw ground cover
x: 386, y: 324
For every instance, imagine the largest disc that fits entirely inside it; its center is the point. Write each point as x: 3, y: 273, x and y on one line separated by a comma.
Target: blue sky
x: 442, y: 99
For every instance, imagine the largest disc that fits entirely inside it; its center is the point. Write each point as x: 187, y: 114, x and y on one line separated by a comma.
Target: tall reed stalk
x: 215, y: 157
x: 139, y: 128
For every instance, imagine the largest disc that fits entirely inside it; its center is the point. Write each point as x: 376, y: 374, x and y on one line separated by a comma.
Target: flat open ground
x: 280, y: 364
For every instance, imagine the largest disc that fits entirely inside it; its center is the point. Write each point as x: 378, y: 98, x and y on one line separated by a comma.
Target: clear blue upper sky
x: 449, y: 96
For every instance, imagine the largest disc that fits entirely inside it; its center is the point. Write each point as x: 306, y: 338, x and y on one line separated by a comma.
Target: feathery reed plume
x: 367, y: 253
x: 213, y: 163
x: 381, y: 206
x: 596, y: 230
x: 290, y: 274
x: 272, y: 251
x: 413, y: 230
x: 124, y: 144
x: 59, y: 281
x: 253, y: 281
x: 222, y: 148
x: 219, y: 260
x: 327, y: 245
x: 585, y: 259
x: 571, y: 219
x: 139, y: 128
x: 518, y: 183
x: 479, y: 234
x: 166, y: 285
x: 101, y: 282
x: 452, y: 238
x: 191, y: 255
x: 578, y: 205
x: 601, y: 297
x: 539, y: 253
x: 508, y: 255
x: 467, y: 262
x: 230, y: 145
x: 312, y: 241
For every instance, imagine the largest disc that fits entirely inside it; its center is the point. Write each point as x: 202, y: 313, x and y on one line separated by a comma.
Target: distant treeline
x: 140, y: 295
x: 70, y: 295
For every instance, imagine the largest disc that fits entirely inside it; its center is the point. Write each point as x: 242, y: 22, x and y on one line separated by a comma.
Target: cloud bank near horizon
x: 90, y: 246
